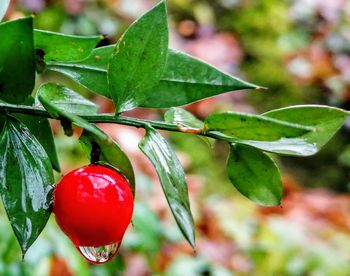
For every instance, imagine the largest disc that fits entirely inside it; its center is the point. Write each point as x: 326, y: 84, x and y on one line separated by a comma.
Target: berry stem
x: 95, y: 153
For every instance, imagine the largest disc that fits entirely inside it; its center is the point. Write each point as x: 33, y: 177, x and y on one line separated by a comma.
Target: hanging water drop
x: 99, y: 254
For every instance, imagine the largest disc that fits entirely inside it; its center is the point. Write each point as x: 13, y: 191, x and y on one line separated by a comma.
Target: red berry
x: 93, y: 206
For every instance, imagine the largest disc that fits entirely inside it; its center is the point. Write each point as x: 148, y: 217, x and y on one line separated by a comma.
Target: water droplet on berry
x: 99, y: 254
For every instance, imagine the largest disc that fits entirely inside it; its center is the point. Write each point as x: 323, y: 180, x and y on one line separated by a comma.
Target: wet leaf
x: 67, y: 100
x: 284, y: 146
x: 56, y: 111
x: 17, y: 60
x: 41, y: 129
x: 325, y: 119
x: 187, y: 79
x: 63, y: 47
x: 139, y: 58
x: 255, y: 175
x: 26, y: 180
x: 90, y: 72
x: 233, y: 125
x: 177, y: 79
x: 111, y: 153
x: 172, y: 179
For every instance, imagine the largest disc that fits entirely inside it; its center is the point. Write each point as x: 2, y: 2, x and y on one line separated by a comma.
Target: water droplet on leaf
x: 99, y: 254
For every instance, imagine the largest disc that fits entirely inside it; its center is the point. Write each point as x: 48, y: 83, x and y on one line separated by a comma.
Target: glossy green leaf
x: 41, y: 129
x: 284, y: 146
x: 26, y: 180
x: 186, y: 80
x: 255, y: 175
x: 3, y: 8
x: 326, y: 120
x: 184, y: 76
x: 233, y: 125
x: 62, y: 47
x: 172, y: 178
x: 111, y: 153
x: 139, y: 59
x: 2, y: 121
x: 90, y: 72
x: 57, y: 111
x: 67, y: 100
x: 182, y: 117
x: 17, y: 60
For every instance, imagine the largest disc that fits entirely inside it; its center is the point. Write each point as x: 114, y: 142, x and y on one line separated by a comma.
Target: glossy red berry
x: 93, y: 206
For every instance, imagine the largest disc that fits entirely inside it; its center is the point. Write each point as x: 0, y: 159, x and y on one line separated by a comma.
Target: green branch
x: 102, y: 118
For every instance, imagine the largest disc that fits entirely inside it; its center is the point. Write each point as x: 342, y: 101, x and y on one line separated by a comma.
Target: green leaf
x: 3, y: 8
x: 56, y: 111
x: 187, y: 79
x: 284, y: 146
x: 255, y: 175
x: 111, y: 153
x: 67, y: 100
x: 26, y: 180
x: 139, y: 59
x: 41, y: 129
x: 2, y: 121
x: 184, y: 76
x: 17, y: 60
x: 62, y: 47
x: 90, y: 72
x: 326, y: 120
x: 231, y: 126
x: 182, y: 117
x: 172, y: 178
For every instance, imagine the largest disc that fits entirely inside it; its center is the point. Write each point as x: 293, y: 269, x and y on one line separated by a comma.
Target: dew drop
x: 99, y: 254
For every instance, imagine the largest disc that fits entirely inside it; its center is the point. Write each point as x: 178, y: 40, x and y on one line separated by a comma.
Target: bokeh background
x: 300, y: 50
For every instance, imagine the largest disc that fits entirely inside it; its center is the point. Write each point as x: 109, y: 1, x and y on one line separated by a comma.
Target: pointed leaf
x: 184, y: 76
x: 284, y: 146
x: 67, y: 100
x: 3, y: 8
x: 17, y: 61
x: 41, y: 129
x: 187, y: 79
x: 57, y: 111
x: 172, y: 178
x: 326, y: 120
x: 90, y: 72
x: 233, y: 125
x: 111, y: 153
x: 255, y: 175
x: 138, y: 61
x: 26, y: 180
x: 63, y: 47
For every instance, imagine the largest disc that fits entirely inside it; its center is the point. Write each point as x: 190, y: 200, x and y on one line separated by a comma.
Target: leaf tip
x: 23, y: 252
x: 261, y: 88
x: 193, y: 244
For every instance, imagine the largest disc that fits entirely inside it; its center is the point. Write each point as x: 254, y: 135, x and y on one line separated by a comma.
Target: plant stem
x: 102, y: 118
